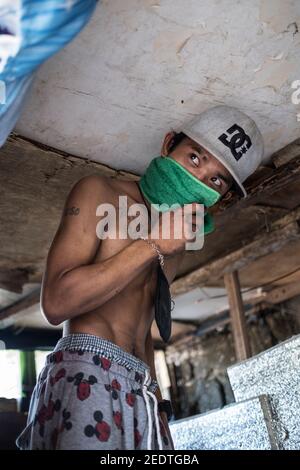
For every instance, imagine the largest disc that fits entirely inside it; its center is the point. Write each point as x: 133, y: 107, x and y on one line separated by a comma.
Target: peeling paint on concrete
x: 280, y: 15
x: 143, y: 67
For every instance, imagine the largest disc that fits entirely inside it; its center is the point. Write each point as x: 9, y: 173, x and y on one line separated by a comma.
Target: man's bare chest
x: 125, y: 227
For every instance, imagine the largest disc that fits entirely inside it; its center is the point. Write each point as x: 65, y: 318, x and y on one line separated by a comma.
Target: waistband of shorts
x: 103, y: 347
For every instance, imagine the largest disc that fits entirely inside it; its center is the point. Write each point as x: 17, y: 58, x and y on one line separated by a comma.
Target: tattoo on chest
x: 72, y: 211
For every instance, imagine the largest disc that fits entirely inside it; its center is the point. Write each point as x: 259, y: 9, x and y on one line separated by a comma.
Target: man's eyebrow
x: 197, y: 147
x: 226, y: 179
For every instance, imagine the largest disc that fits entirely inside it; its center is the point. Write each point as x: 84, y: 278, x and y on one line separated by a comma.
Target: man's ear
x: 167, y: 143
x: 227, y: 196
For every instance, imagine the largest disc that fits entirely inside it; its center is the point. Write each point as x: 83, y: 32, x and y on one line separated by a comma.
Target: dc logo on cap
x: 239, y: 141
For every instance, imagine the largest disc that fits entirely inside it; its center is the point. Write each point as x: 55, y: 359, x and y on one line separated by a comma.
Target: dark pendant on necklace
x: 163, y: 305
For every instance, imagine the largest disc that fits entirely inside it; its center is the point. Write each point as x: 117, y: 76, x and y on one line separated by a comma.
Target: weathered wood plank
x: 237, y: 316
x: 286, y: 154
x: 278, y: 236
x: 282, y: 293
x: 31, y: 299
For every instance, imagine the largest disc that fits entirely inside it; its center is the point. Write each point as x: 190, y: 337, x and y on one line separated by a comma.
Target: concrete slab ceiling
x: 143, y: 67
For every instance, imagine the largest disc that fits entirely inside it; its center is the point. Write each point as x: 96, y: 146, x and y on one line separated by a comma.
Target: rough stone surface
x: 274, y: 372
x: 241, y: 426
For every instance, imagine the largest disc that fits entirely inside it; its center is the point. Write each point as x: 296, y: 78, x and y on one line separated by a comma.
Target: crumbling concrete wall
x: 141, y: 67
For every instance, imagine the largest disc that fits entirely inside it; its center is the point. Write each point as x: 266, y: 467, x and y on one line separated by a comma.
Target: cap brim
x: 237, y: 184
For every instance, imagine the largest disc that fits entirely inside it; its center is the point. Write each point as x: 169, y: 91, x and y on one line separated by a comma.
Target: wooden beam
x: 17, y: 307
x: 278, y: 180
x: 282, y: 293
x: 286, y: 154
x: 253, y: 305
x: 237, y: 316
x: 280, y: 233
x: 13, y: 279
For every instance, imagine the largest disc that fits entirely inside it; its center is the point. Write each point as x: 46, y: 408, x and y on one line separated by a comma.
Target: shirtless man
x: 98, y: 388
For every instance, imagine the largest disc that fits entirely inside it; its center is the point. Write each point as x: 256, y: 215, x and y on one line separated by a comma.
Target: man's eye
x: 193, y: 156
x: 216, y: 181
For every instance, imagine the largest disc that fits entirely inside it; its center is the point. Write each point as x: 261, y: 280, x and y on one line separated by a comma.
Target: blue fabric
x: 15, y: 95
x: 30, y: 32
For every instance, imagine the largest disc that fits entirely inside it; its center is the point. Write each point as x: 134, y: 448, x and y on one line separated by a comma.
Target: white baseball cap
x: 230, y: 136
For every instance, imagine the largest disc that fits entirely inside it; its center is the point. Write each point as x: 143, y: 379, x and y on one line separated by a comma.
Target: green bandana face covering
x: 166, y: 181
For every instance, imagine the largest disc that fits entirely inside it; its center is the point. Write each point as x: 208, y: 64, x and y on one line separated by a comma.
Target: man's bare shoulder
x: 102, y: 182
x: 93, y: 186
x: 92, y: 190
x: 94, y: 181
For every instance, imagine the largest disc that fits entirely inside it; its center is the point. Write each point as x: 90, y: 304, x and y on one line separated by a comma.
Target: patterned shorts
x: 93, y: 395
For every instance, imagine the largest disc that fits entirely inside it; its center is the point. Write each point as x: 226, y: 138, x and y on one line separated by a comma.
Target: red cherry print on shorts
x: 105, y: 363
x: 116, y: 385
x: 102, y: 431
x: 83, y: 391
x: 130, y: 399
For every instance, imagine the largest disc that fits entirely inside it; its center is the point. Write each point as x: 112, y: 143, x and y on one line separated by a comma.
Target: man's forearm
x: 85, y: 288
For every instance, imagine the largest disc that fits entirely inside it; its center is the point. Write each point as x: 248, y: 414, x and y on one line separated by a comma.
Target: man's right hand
x: 186, y: 218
